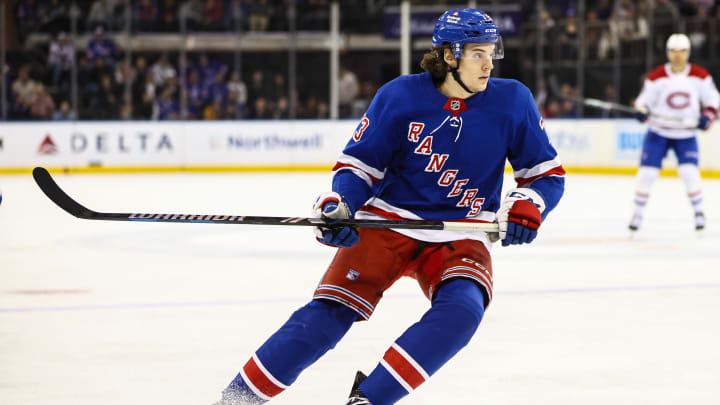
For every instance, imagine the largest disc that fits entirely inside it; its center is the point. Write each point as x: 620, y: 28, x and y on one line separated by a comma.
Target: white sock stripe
x: 412, y: 361
x: 252, y: 386
x: 267, y: 373
x: 395, y: 375
x: 348, y: 292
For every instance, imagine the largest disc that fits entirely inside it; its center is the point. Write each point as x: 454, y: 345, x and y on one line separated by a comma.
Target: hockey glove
x: 520, y: 216
x: 641, y: 115
x: 704, y: 122
x: 331, y: 206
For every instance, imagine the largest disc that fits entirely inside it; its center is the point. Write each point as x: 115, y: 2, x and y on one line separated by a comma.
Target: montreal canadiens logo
x: 678, y: 100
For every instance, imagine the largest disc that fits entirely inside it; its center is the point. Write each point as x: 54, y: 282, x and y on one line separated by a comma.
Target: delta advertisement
x: 175, y: 145
x: 610, y: 145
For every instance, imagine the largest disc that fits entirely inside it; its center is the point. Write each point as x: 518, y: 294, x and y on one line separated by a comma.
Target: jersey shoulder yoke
x: 698, y: 71
x: 657, y: 73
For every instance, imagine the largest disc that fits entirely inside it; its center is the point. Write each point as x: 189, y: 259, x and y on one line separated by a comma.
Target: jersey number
x: 364, y: 123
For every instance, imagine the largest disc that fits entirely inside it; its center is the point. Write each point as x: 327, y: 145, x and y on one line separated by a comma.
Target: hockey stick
x: 48, y: 185
x: 609, y: 105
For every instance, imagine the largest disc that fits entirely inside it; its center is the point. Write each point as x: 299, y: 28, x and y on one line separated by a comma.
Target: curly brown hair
x: 434, y: 63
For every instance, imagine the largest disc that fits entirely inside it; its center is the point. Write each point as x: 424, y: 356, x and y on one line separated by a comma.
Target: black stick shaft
x: 48, y: 185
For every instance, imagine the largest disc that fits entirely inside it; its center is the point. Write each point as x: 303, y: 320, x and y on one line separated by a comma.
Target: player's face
x: 476, y: 65
x: 678, y: 57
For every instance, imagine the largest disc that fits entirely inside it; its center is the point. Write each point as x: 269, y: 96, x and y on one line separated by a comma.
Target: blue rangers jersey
x: 417, y: 154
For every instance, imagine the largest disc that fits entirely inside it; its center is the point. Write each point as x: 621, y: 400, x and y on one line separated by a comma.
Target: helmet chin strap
x: 456, y: 76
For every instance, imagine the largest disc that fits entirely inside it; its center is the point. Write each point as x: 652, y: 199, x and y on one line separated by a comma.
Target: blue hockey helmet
x: 459, y: 27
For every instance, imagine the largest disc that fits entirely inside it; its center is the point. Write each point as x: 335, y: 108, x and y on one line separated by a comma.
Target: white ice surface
x: 147, y: 313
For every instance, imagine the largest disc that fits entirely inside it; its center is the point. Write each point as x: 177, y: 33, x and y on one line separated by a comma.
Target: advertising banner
x: 588, y: 144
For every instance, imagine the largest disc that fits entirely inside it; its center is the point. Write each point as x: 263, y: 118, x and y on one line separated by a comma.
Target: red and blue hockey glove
x: 704, y: 123
x: 520, y: 216
x: 331, y: 206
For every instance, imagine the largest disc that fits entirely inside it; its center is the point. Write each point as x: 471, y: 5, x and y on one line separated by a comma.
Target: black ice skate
x: 699, y: 221
x: 635, y: 223
x: 356, y: 396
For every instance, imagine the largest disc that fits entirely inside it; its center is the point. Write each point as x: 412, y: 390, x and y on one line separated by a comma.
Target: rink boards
x: 587, y: 145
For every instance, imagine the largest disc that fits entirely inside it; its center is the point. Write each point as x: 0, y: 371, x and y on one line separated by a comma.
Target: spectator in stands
x: 258, y: 88
x: 144, y: 108
x: 213, y: 11
x: 124, y: 75
x: 214, y: 110
x: 64, y: 113
x: 261, y: 109
x: 100, y: 47
x: 162, y: 70
x: 101, y: 13
x: 282, y: 108
x: 61, y: 59
x: 145, y: 15
x: 192, y: 12
x: 279, y: 88
x: 23, y: 89
x: 94, y: 77
x: 238, y: 86
x: 105, y: 104
x: 27, y: 13
x: 259, y: 15
x: 56, y: 16
x: 140, y: 74
x: 310, y: 108
x: 611, y: 96
x: 235, y: 13
x: 234, y: 107
x: 166, y: 108
x: 168, y: 16
x: 219, y: 88
x: 627, y: 23
x: 42, y: 105
x: 126, y: 112
x: 323, y: 110
x: 348, y: 89
x: 208, y: 70
x: 568, y: 108
x: 198, y: 95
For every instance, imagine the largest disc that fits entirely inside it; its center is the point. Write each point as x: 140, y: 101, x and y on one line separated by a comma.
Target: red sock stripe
x: 260, y: 380
x: 403, y: 368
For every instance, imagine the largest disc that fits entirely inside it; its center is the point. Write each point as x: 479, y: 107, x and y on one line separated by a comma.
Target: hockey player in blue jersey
x: 431, y: 146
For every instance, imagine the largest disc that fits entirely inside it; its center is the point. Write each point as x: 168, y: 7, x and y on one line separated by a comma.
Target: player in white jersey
x: 677, y: 98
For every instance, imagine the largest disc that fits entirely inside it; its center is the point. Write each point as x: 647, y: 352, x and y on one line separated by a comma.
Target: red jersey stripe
x: 557, y: 171
x: 339, y: 166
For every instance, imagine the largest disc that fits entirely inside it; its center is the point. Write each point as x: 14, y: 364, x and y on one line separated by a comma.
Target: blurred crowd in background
x: 213, y: 86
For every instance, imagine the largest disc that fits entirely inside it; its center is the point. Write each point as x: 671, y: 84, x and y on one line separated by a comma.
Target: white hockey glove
x: 520, y: 216
x: 331, y: 206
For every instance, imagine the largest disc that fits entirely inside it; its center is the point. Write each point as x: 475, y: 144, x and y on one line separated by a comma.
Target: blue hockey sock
x: 309, y: 333
x: 457, y: 309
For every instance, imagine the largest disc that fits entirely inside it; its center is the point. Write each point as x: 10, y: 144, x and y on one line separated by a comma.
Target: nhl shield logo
x: 455, y: 106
